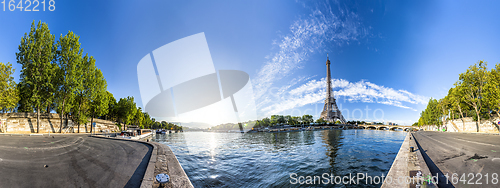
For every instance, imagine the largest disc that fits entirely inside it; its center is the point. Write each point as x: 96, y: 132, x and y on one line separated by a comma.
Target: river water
x: 279, y: 159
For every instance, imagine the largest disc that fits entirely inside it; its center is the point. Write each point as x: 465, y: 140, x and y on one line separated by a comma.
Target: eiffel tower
x: 331, y: 112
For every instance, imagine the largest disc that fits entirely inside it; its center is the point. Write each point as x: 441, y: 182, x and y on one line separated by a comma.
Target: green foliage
x: 472, y: 83
x: 112, y: 107
x: 147, y: 121
x: 307, y: 119
x: 277, y: 120
x: 58, y: 76
x: 69, y: 56
x: 431, y: 114
x: 492, y: 90
x: 37, y: 53
x: 9, y: 94
x: 167, y: 126
x: 236, y: 126
x: 359, y: 122
x: 139, y: 117
x: 126, y: 110
x: 81, y: 105
x: 476, y: 94
x: 98, y: 95
x: 321, y: 121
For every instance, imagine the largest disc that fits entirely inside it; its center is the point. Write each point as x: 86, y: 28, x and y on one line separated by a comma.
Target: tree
x: 112, y: 107
x: 82, y: 94
x: 321, y: 121
x: 431, y: 115
x: 492, y: 89
x: 307, y: 119
x: 36, y: 55
x: 443, y: 105
x: 98, y: 94
x: 126, y: 110
x: 266, y: 122
x: 471, y: 83
x: 9, y: 94
x: 288, y: 119
x: 147, y: 121
x: 277, y: 119
x: 294, y: 120
x: 139, y: 117
x: 456, y: 101
x: 69, y: 56
x: 164, y: 125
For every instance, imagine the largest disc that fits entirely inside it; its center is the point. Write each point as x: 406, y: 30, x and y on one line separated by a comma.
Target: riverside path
x: 71, y: 161
x: 469, y: 160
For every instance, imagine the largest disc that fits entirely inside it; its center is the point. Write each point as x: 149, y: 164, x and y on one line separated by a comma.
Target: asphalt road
x: 469, y: 160
x: 71, y: 161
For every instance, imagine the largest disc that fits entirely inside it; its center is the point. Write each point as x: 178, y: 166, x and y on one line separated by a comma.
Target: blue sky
x: 387, y: 56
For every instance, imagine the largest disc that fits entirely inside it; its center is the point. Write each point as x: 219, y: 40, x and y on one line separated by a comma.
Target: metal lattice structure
x: 331, y: 112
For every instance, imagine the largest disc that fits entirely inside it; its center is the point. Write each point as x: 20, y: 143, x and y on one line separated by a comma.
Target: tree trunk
x: 62, y: 115
x: 92, y: 122
x: 478, y: 123
x: 78, y: 116
x: 462, y: 118
x: 67, y: 122
x: 37, y: 119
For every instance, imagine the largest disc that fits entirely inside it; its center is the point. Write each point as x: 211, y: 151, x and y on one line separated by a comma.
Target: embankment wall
x: 467, y: 125
x: 26, y: 123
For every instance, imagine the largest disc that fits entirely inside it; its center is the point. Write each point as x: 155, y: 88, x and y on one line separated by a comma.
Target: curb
x: 407, y: 164
x: 465, y: 132
x: 399, y: 167
x: 148, y: 179
x: 423, y: 165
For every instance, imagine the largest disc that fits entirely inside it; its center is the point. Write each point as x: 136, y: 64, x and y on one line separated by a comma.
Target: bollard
x: 411, y: 149
x: 162, y: 179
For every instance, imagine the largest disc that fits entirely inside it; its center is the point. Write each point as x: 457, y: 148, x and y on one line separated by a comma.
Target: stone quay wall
x: 467, y: 125
x: 26, y: 123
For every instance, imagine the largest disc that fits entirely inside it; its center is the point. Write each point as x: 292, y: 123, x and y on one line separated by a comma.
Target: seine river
x: 279, y: 159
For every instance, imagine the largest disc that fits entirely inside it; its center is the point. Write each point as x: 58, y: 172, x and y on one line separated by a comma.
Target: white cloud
x: 307, y: 35
x: 314, y: 91
x: 310, y: 34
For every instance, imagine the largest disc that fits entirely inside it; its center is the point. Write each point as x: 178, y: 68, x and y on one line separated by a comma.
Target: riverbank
x: 71, y: 161
x: 162, y: 160
x: 213, y: 159
x: 457, y: 155
x: 409, y: 168
x: 466, y: 125
x: 26, y: 123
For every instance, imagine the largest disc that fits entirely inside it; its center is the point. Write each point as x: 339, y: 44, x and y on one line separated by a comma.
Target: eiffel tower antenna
x: 331, y: 112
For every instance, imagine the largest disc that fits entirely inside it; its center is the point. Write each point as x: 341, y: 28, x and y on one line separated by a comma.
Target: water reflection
x: 268, y: 159
x: 332, y: 139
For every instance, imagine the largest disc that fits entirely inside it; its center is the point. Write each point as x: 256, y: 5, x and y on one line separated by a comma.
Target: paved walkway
x: 473, y: 156
x: 71, y: 161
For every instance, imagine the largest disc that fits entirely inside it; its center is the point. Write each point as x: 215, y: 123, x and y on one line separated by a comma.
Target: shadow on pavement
x: 136, y: 179
x: 442, y: 181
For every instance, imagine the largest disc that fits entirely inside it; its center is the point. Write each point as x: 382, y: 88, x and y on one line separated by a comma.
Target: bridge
x: 337, y: 126
x: 383, y: 127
